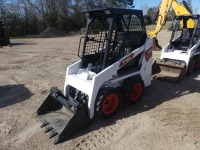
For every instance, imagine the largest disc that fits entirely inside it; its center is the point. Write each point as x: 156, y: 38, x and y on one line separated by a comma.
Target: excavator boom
x: 162, y: 15
x: 164, y: 9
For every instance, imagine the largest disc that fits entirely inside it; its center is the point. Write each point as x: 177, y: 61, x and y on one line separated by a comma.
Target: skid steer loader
x: 116, y: 63
x: 182, y: 55
x: 4, y: 39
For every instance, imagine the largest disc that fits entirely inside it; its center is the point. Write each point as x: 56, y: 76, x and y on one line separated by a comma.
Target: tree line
x: 28, y: 17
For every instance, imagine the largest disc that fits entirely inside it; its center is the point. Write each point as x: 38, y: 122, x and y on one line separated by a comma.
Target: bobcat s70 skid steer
x: 116, y: 62
x: 182, y: 55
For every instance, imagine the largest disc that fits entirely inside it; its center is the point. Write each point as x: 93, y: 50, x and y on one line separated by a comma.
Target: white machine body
x: 89, y: 82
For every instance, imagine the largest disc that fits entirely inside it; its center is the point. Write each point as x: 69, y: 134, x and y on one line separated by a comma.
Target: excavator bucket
x: 62, y: 117
x: 156, y: 46
x: 168, y: 71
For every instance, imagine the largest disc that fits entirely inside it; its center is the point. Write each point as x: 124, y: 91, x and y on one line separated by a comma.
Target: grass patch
x: 153, y: 26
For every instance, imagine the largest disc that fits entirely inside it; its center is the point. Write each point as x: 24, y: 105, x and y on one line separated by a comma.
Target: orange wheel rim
x: 135, y: 92
x: 110, y: 104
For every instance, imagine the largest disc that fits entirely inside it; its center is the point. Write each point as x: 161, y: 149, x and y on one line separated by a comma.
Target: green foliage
x: 152, y: 13
x: 24, y: 17
x: 147, y: 20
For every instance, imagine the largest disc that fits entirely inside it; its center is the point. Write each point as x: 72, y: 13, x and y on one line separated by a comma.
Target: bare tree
x: 195, y: 10
x: 144, y: 8
x: 32, y: 16
x: 152, y: 12
x: 49, y: 10
x: 189, y: 2
x: 29, y: 15
x: 2, y: 9
x: 119, y: 3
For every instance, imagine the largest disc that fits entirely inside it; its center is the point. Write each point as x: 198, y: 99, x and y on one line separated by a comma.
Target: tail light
x: 148, y: 53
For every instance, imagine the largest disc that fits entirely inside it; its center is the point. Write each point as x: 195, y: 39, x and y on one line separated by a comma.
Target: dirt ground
x: 167, y: 117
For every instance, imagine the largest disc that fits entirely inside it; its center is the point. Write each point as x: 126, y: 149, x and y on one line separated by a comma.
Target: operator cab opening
x: 111, y: 35
x: 185, y: 32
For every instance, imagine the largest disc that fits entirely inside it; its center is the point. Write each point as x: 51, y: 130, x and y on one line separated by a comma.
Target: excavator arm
x: 164, y: 8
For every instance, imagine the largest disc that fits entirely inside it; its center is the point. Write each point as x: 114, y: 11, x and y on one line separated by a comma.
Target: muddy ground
x: 167, y: 117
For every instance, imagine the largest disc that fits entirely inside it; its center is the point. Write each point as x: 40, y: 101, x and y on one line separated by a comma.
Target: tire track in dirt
x: 184, y: 123
x: 19, y: 64
x: 20, y: 61
x: 21, y: 138
x: 35, y: 59
x: 3, y: 68
x: 97, y: 138
x: 2, y: 52
x: 5, y: 128
x: 13, y: 67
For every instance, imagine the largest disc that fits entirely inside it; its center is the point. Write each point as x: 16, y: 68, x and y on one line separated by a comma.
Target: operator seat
x: 185, y: 38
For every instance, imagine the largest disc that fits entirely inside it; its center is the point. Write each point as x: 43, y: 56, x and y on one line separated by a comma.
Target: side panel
x: 146, y: 69
x: 110, y: 74
x: 97, y: 82
x: 72, y: 69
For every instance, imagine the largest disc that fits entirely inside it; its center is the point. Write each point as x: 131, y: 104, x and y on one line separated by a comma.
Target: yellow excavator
x: 164, y: 8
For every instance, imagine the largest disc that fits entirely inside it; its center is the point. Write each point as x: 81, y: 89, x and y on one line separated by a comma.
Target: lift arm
x: 163, y: 13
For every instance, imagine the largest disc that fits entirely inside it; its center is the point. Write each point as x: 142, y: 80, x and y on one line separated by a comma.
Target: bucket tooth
x: 48, y: 129
x: 52, y: 134
x: 44, y: 124
x: 56, y: 141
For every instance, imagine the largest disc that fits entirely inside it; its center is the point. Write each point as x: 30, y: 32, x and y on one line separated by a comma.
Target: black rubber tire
x: 105, y: 95
x: 132, y: 90
x: 7, y: 41
x: 191, y: 66
x: 197, y: 65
